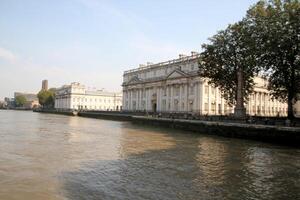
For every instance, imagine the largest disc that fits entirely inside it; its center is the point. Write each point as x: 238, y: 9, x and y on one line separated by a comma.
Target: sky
x: 94, y: 41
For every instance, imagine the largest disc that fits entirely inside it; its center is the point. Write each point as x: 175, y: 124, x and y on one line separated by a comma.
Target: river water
x: 46, y: 156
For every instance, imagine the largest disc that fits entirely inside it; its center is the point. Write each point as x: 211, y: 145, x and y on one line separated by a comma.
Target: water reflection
x: 60, y: 157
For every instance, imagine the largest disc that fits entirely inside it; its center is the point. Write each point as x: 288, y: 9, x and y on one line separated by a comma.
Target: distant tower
x: 45, y: 85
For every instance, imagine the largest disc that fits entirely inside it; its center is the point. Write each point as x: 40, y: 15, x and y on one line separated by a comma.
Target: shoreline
x: 266, y: 133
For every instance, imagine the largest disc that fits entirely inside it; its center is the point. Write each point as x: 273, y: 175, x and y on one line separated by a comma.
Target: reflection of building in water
x: 212, y: 161
x: 175, y: 86
x: 77, y: 96
x: 151, y: 141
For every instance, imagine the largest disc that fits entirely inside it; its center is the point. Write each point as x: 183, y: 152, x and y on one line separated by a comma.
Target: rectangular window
x: 206, y: 89
x: 177, y: 90
x: 213, y: 107
x: 213, y: 90
x: 206, y: 107
x: 164, y: 91
x: 192, y: 89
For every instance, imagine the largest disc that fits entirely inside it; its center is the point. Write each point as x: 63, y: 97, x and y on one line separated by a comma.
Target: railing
x: 186, y: 58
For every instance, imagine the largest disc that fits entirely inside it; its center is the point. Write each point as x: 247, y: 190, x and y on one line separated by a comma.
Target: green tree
x: 276, y: 28
x: 46, y: 98
x: 229, y: 63
x: 20, y: 100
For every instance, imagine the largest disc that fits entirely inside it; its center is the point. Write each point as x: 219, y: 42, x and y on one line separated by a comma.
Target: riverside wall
x: 106, y: 115
x: 59, y: 112
x: 268, y: 133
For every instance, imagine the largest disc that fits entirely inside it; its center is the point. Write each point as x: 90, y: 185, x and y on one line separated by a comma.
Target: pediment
x: 134, y: 80
x: 177, y: 73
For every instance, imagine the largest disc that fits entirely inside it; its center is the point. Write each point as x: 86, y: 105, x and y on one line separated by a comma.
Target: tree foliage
x: 230, y: 50
x: 20, y: 100
x: 46, y: 98
x: 276, y: 27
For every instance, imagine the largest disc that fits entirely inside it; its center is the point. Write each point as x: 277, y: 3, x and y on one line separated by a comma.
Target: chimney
x: 182, y: 56
x: 149, y: 63
x: 193, y: 53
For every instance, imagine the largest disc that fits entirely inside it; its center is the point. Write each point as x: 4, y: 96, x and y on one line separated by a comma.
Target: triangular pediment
x: 177, y: 73
x: 134, y: 80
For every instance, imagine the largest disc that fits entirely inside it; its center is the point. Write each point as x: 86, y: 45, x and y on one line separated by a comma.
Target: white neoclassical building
x: 175, y: 86
x: 76, y: 96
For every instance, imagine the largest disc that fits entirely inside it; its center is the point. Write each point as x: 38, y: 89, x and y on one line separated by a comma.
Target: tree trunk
x: 240, y: 111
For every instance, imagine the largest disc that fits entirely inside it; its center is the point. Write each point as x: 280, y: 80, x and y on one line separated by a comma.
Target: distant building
x: 32, y: 100
x: 76, y: 96
x: 175, y: 86
x: 45, y: 85
x: 9, y: 102
x: 2, y: 104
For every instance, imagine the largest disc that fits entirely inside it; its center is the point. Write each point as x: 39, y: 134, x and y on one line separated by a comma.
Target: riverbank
x: 267, y: 133
x: 106, y: 115
x: 59, y: 112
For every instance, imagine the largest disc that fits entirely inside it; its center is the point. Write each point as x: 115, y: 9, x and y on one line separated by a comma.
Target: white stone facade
x: 175, y: 86
x: 297, y: 108
x: 76, y: 97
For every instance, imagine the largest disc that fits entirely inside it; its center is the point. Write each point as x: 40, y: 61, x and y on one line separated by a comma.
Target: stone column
x: 180, y: 98
x: 172, y: 98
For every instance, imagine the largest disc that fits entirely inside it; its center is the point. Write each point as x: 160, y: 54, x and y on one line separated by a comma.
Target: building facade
x: 175, y: 86
x: 297, y: 109
x: 32, y: 100
x: 77, y: 97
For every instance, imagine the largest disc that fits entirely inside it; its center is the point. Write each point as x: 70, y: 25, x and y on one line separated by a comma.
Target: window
x: 164, y: 103
x: 206, y: 106
x: 192, y: 89
x: 164, y: 91
x: 213, y: 107
x: 206, y: 89
x: 134, y: 94
x: 177, y: 90
x: 213, y: 91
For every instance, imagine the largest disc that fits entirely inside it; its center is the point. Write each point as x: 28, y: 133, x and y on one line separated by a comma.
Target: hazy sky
x: 94, y: 41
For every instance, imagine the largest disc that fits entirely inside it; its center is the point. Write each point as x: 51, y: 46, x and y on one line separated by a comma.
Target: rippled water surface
x: 45, y: 156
